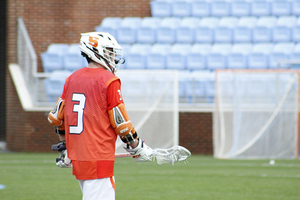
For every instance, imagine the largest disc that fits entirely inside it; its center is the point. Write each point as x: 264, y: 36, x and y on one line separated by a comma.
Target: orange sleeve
x: 63, y: 95
x: 114, y: 94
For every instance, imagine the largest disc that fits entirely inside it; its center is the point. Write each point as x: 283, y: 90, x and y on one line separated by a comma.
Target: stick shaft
x: 122, y: 155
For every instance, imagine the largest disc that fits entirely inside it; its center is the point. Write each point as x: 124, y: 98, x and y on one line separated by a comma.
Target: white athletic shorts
x: 97, y: 189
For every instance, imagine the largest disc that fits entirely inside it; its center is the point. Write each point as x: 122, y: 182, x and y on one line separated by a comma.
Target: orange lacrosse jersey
x: 90, y: 139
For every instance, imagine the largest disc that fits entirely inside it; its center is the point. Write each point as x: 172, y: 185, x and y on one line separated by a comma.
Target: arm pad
x: 56, y: 116
x: 119, y: 120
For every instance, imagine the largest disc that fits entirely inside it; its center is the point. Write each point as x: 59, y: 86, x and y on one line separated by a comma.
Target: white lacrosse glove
x: 141, y: 153
x: 63, y: 161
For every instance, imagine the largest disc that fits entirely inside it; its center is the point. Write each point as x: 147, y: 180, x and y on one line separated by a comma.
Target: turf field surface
x: 30, y: 176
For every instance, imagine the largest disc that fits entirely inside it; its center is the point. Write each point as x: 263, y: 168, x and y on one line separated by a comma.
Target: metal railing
x: 27, y: 60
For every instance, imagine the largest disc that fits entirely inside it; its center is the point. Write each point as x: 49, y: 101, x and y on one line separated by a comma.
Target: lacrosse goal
x: 256, y: 114
x: 151, y: 100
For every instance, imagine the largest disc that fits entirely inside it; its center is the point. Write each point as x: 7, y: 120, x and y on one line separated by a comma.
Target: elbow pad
x: 119, y: 120
x: 56, y: 116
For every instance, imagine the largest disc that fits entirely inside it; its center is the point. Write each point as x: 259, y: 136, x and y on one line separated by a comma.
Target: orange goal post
x: 256, y: 114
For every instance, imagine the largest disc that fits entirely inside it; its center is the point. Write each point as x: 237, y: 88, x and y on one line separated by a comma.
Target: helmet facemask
x: 113, y: 57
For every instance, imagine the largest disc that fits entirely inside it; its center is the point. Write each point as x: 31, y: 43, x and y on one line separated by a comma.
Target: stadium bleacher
x: 110, y: 25
x: 196, y: 59
x: 136, y: 58
x: 52, y: 59
x: 197, y: 36
x: 73, y: 59
x: 55, y: 83
x: 146, y: 33
x: 244, y: 28
x: 237, y: 59
x: 156, y: 58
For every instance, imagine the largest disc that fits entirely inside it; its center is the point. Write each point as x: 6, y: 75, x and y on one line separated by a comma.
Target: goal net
x: 256, y: 114
x: 151, y: 100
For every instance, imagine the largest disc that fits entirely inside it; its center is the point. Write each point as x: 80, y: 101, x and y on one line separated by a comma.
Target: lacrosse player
x: 90, y: 115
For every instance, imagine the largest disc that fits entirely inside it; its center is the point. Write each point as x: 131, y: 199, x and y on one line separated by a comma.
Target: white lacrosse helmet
x: 102, y: 48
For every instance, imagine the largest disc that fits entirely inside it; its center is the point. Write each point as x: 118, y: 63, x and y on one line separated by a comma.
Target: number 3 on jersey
x: 79, y: 108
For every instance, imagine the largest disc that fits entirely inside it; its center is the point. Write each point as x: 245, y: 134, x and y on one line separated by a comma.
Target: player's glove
x: 63, y: 161
x: 141, y: 153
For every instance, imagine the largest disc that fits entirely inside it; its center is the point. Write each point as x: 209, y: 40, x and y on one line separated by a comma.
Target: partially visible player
x: 91, y: 114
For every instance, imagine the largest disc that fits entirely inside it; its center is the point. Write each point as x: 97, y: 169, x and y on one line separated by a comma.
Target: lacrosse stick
x: 171, y: 155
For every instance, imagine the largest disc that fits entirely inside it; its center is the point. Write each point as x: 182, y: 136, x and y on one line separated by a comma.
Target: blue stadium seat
x: 217, y: 59
x: 264, y: 29
x: 259, y: 58
x: 238, y: 58
x: 58, y: 48
x: 73, y: 60
x: 110, y: 25
x: 52, y: 59
x: 74, y: 48
x: 111, y: 21
x: 156, y: 59
x: 224, y: 31
x: 295, y: 7
x: 204, y: 33
x: 108, y: 29
x: 146, y: 33
x: 126, y: 32
x: 126, y: 51
x: 196, y: 59
x: 136, y: 59
x: 282, y: 32
x: 201, y: 86
x: 181, y: 8
x: 220, y: 8
x: 243, y: 31
x: 161, y: 8
x: 200, y: 8
x: 295, y: 56
x: 240, y: 8
x: 210, y: 87
x: 54, y: 84
x: 281, y: 7
x: 185, y: 33
x: 196, y: 86
x: 281, y: 52
x: 296, y: 31
x: 204, y: 86
x: 185, y: 86
x: 176, y: 59
x: 260, y: 8
x: 165, y: 33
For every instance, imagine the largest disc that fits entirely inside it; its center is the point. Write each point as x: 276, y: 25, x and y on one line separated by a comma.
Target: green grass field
x: 33, y: 176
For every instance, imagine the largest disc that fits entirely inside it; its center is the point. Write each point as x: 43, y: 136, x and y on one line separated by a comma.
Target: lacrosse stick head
x: 171, y: 155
